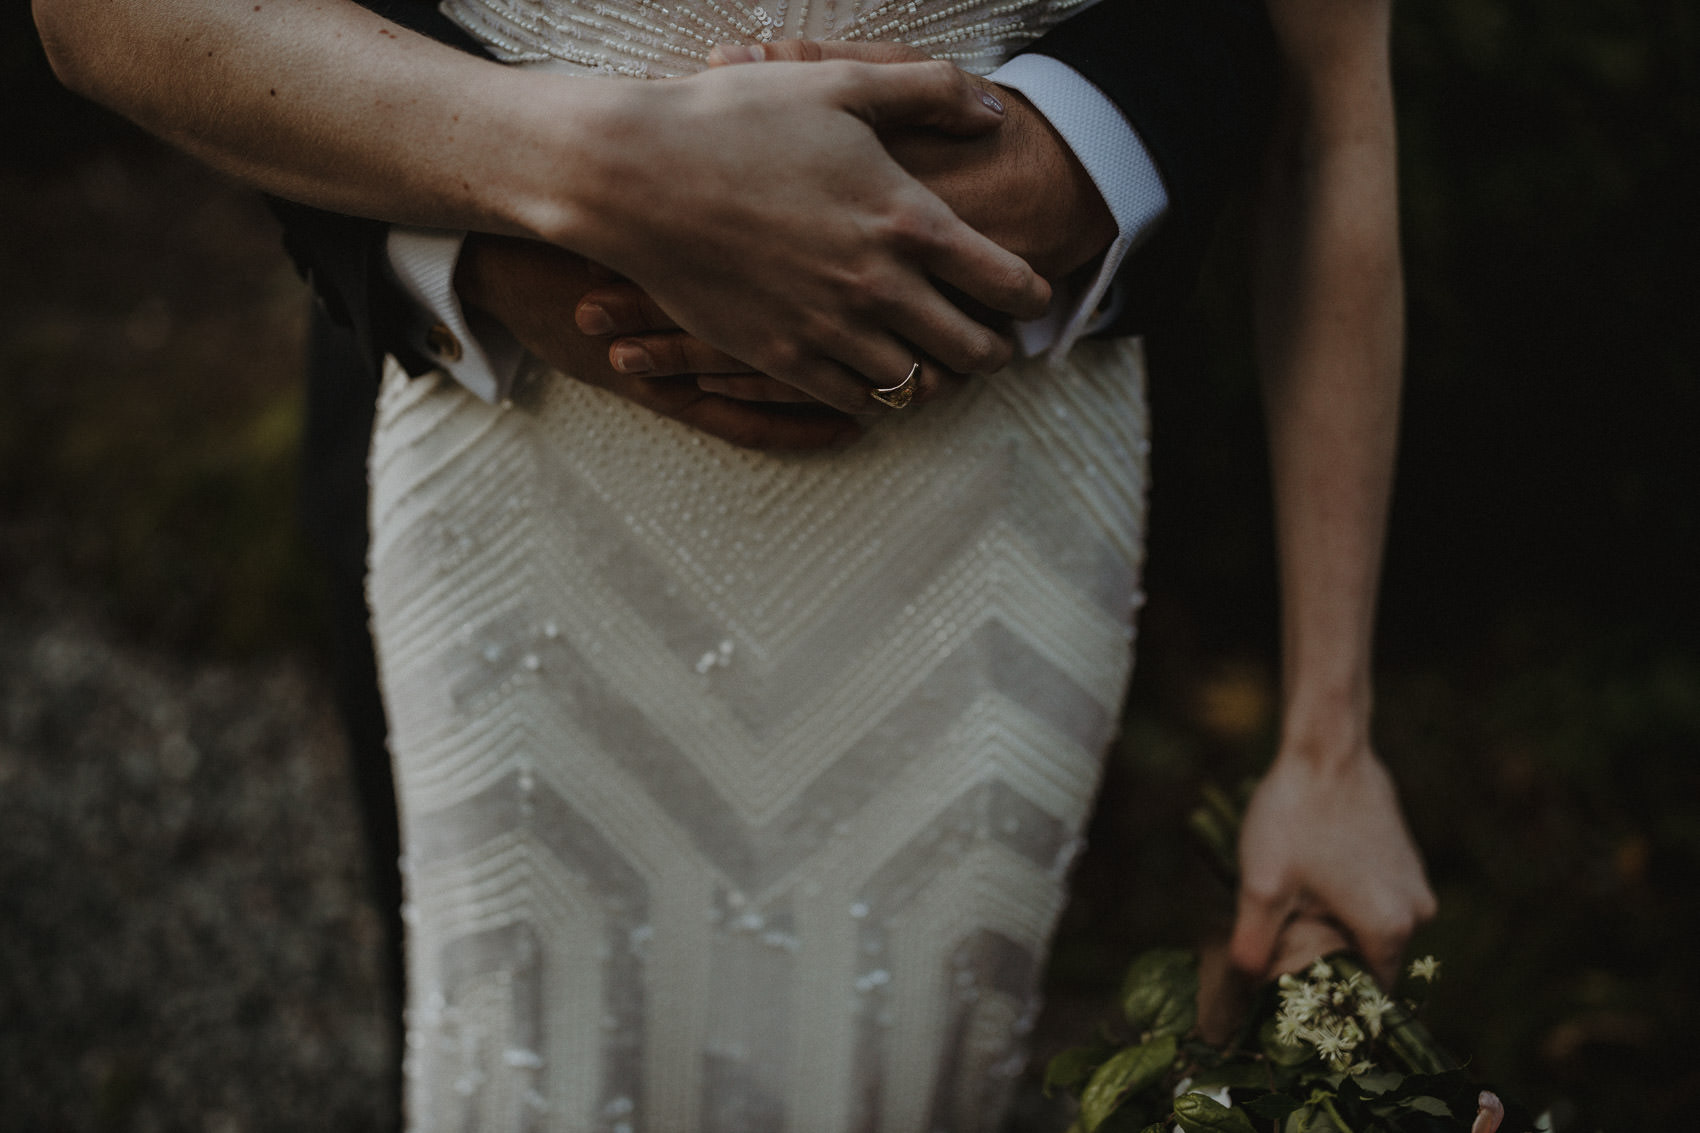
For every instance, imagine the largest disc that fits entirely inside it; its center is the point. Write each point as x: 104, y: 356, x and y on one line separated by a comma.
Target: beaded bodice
x: 667, y: 38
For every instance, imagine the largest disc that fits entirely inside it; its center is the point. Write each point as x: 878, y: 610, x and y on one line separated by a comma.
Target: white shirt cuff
x: 1116, y: 160
x: 478, y: 353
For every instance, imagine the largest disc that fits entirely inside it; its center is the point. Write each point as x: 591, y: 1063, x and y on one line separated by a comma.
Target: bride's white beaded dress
x: 738, y: 789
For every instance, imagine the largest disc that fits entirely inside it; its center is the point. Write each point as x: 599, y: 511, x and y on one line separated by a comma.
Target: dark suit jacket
x: 1194, y: 77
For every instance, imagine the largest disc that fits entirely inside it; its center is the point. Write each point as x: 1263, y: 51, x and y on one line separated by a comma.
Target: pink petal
x: 1489, y: 1113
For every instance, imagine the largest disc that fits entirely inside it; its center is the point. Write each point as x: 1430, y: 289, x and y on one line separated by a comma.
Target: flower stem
x: 1334, y: 1115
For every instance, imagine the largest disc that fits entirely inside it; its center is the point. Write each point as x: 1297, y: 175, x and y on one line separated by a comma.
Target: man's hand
x: 649, y: 342
x: 1020, y: 185
x: 533, y: 290
x: 1324, y: 842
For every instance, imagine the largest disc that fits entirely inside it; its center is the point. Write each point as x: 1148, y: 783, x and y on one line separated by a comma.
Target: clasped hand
x: 1326, y: 861
x: 994, y: 172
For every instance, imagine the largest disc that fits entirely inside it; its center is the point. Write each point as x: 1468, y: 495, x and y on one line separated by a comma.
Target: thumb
x: 935, y: 95
x: 1257, y: 929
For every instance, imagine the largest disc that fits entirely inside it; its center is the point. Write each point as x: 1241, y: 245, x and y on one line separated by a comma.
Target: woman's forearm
x: 324, y: 102
x: 1324, y: 838
x: 1330, y: 333
x: 756, y: 204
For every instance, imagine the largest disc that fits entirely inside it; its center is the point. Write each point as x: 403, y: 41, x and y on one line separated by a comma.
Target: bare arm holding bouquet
x: 1324, y: 838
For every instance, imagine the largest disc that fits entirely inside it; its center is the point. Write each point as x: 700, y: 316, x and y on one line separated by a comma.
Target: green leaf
x: 1378, y: 1082
x: 1129, y: 1071
x: 1233, y: 1075
x: 1200, y: 1113
x: 1216, y: 824
x: 1070, y: 1068
x: 1160, y: 992
x: 1272, y: 1106
x: 1423, y: 1103
x: 1310, y: 1119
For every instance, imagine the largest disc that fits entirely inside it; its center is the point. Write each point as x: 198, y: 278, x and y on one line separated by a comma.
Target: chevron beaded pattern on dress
x: 739, y: 789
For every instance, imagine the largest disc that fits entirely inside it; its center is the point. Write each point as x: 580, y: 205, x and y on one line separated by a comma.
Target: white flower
x: 1372, y: 1005
x: 1319, y: 970
x: 1335, y: 1040
x: 1331, y: 1046
x: 1351, y: 1032
x: 1301, y: 999
x: 1425, y: 969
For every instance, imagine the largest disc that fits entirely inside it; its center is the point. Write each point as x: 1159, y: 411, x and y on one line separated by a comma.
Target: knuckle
x: 1393, y: 925
x: 880, y: 293
x: 910, y: 227
x: 783, y: 356
x: 833, y: 339
x: 947, y: 75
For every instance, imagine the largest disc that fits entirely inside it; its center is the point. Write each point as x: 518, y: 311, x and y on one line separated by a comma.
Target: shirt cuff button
x: 441, y: 341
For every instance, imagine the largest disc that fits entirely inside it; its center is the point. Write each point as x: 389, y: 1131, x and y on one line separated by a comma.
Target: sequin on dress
x: 738, y: 790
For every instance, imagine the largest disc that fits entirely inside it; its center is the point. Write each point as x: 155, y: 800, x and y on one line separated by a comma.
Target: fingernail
x: 630, y: 358
x: 592, y: 319
x: 740, y: 53
x: 991, y: 101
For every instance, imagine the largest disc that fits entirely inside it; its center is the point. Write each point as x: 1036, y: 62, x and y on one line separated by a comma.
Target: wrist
x: 1062, y: 188
x: 541, y: 148
x: 1327, y: 726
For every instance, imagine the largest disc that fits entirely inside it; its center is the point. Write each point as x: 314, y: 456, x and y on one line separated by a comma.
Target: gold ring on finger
x: 900, y: 395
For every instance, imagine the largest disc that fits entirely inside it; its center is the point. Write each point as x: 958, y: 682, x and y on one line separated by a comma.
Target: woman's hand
x: 1324, y: 840
x: 794, y: 241
x: 1020, y: 185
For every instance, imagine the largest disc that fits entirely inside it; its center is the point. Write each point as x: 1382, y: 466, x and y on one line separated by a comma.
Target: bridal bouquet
x: 1325, y: 1051
x: 1322, y: 1051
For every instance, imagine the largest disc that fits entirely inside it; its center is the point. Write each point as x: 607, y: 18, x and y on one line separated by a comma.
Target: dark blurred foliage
x: 150, y: 348
x: 1540, y: 699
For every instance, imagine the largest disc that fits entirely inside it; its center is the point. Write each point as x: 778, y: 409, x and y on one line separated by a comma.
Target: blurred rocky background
x: 185, y: 937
